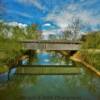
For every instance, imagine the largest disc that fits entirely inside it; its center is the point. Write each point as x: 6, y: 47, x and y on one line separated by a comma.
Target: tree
x: 67, y: 34
x: 92, y: 40
x: 73, y: 30
x: 18, y: 33
x: 32, y: 32
x: 52, y: 37
x: 4, y: 30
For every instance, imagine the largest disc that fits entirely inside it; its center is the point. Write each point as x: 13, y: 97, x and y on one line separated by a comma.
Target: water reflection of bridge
x: 47, y: 70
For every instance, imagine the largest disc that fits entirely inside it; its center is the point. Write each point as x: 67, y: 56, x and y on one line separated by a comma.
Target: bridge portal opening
x: 48, y: 57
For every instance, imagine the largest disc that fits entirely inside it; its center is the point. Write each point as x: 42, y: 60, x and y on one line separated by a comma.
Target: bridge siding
x: 50, y: 41
x: 51, y: 46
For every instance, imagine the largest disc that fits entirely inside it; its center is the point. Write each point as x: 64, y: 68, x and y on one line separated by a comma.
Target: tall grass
x: 92, y: 43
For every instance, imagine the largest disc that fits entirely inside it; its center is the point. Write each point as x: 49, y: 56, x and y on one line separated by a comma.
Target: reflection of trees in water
x: 57, y: 58
x: 14, y: 87
x: 86, y: 80
x: 28, y: 80
x: 31, y: 60
x: 32, y: 56
x: 10, y: 91
x: 54, y: 58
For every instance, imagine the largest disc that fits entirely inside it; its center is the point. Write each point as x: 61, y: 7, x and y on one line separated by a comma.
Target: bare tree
x: 73, y: 30
x: 67, y: 34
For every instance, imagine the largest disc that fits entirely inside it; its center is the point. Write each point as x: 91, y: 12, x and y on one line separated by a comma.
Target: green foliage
x: 32, y: 32
x: 93, y: 59
x: 72, y: 31
x: 3, y: 68
x: 17, y: 33
x: 92, y: 41
x: 9, y: 37
x: 9, y: 49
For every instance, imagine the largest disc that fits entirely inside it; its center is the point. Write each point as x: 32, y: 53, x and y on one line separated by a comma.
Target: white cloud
x: 33, y: 2
x: 47, y: 24
x: 65, y: 15
x: 46, y: 33
x: 72, y: 7
x: 88, y: 2
x: 24, y: 14
x: 20, y: 25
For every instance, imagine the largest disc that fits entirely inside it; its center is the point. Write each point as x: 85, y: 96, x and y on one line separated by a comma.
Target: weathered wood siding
x: 51, y: 46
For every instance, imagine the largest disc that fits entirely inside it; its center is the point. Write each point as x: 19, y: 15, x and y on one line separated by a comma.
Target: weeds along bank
x: 9, y: 49
x: 91, y: 49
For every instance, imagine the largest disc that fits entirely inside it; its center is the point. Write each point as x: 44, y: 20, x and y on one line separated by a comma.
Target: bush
x: 92, y: 42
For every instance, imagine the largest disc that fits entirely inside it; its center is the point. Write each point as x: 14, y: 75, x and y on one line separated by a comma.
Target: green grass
x: 92, y: 41
x: 93, y: 58
x: 9, y: 49
x: 3, y: 68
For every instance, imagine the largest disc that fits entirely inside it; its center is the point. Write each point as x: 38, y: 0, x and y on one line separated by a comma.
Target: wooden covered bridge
x: 49, y: 45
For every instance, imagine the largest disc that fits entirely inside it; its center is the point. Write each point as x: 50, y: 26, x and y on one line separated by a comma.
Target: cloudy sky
x: 52, y: 12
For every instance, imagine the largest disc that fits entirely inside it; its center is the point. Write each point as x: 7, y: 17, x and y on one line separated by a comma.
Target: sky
x: 52, y: 14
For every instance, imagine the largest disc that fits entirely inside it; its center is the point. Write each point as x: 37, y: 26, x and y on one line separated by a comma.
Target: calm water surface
x: 84, y: 86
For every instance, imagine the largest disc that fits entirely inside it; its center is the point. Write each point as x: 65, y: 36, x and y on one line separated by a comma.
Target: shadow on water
x: 84, y: 86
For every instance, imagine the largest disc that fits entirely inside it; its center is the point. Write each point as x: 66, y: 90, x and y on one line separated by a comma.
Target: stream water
x: 83, y: 86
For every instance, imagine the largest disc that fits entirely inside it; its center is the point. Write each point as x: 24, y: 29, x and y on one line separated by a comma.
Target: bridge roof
x: 51, y: 41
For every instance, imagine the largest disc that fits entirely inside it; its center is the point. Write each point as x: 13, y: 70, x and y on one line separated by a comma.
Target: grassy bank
x: 3, y: 68
x: 90, y: 50
x: 93, y: 58
x: 9, y: 49
x: 79, y: 57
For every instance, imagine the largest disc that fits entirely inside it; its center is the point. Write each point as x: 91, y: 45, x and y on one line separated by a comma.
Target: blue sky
x: 58, y: 12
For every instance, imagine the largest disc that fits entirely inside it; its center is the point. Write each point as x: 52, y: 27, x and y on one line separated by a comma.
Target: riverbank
x: 78, y: 58
x: 3, y: 69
